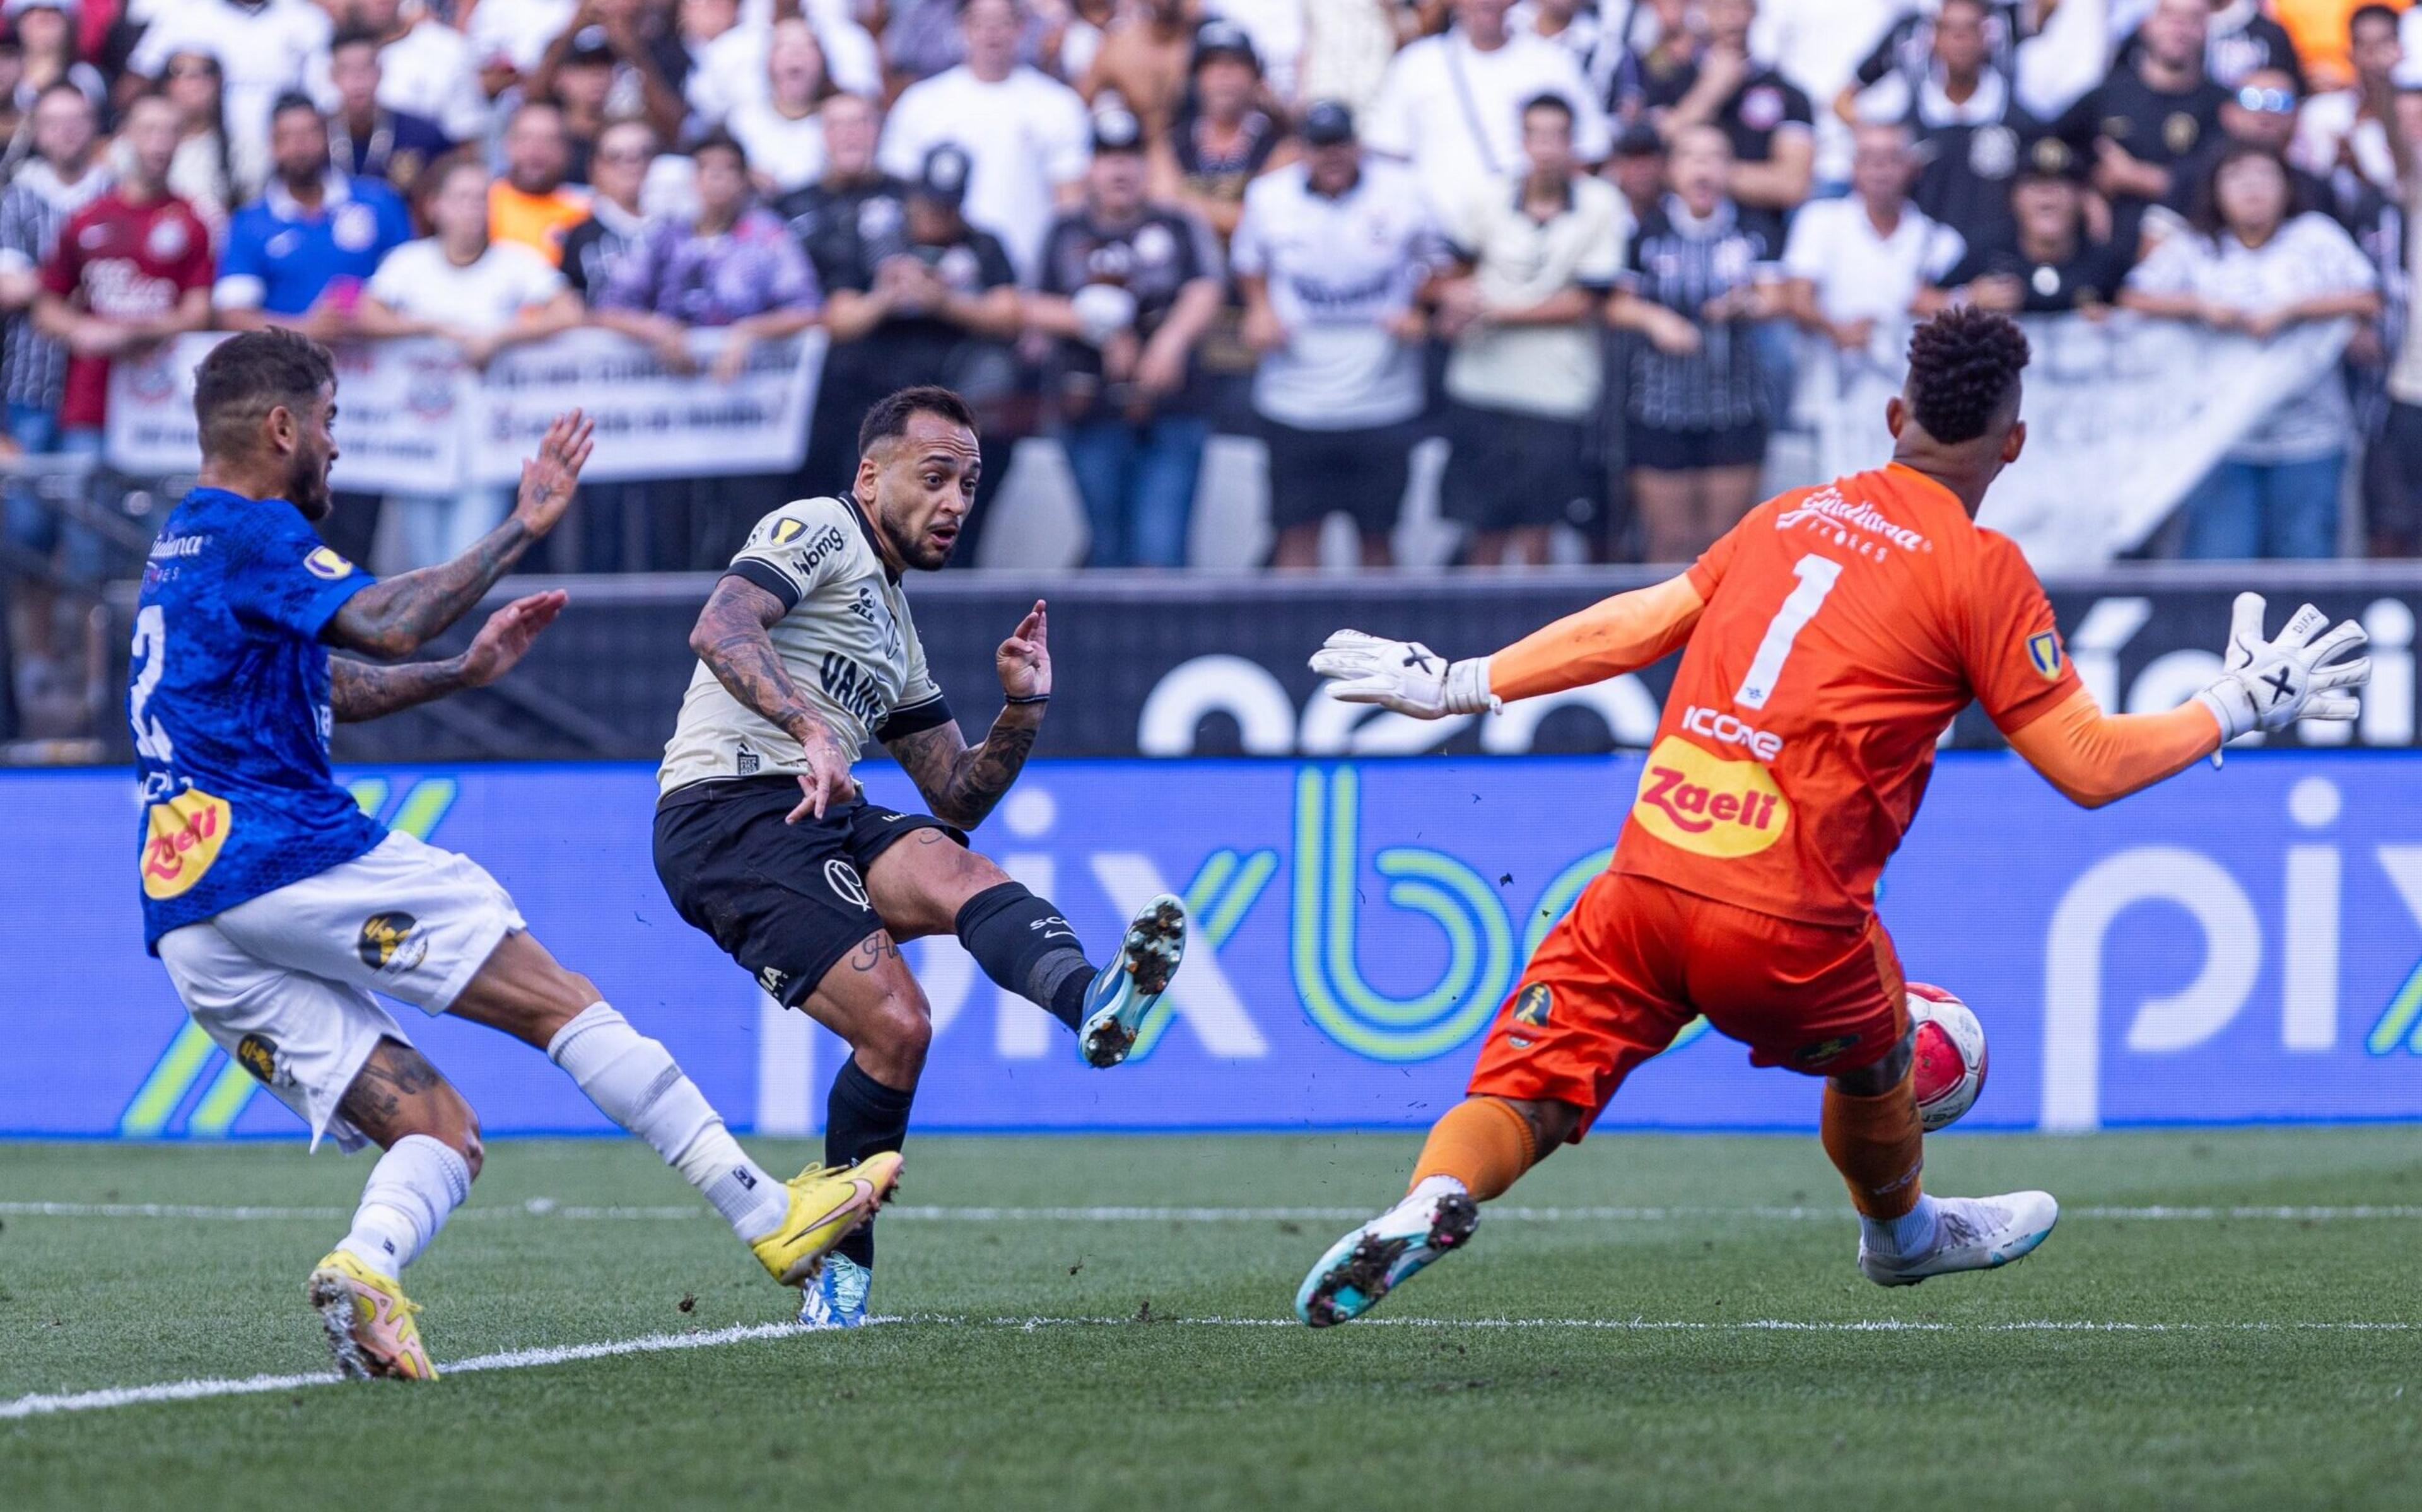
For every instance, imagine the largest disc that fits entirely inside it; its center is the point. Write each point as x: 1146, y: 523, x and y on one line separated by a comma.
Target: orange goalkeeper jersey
x: 1845, y: 627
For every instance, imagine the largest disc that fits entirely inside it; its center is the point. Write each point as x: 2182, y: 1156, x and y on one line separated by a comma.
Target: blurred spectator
x: 2257, y: 268
x: 13, y: 108
x: 1697, y: 397
x: 1130, y: 287
x: 925, y: 38
x: 1962, y: 113
x: 1637, y: 169
x: 1221, y: 138
x: 2318, y: 28
x: 612, y: 56
x: 2241, y: 39
x: 1859, y: 265
x: 1764, y: 115
x: 2394, y: 498
x: 366, y: 139
x: 265, y: 48
x: 507, y: 38
x: 1346, y: 46
x: 300, y: 254
x: 482, y: 295
x: 1536, y: 255
x: 1909, y: 51
x: 1452, y: 105
x: 1582, y: 33
x: 47, y: 39
x: 783, y: 133
x: 594, y: 247
x: 732, y: 70
x: 426, y: 68
x: 1331, y: 256
x: 1024, y: 133
x: 1143, y: 62
x: 736, y: 268
x: 2049, y: 264
x: 1281, y: 33
x: 2149, y: 115
x: 578, y: 87
x: 204, y: 173
x: 530, y: 204
x: 59, y: 180
x: 849, y: 221
x: 2346, y: 130
x: 2261, y: 112
x: 1657, y: 69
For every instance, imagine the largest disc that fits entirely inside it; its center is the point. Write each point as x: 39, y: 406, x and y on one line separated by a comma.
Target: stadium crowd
x: 1588, y: 247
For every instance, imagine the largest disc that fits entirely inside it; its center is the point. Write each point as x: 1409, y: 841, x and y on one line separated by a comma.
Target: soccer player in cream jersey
x: 764, y: 840
x: 279, y: 907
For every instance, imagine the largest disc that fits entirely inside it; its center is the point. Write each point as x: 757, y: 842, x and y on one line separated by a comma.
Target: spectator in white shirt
x: 2348, y: 128
x: 784, y: 133
x: 426, y: 68
x: 1024, y: 133
x: 1858, y: 265
x: 1331, y: 257
x: 730, y: 70
x: 479, y: 294
x: 1452, y: 105
x: 509, y: 37
x: 265, y: 47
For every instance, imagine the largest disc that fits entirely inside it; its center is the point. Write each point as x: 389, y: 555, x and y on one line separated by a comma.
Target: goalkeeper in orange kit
x: 1831, y: 637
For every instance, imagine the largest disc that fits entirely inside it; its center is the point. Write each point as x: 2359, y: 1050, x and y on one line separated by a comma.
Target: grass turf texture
x: 1153, y: 1410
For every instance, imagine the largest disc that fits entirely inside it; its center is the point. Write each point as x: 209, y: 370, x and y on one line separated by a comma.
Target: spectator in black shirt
x: 2148, y: 117
x: 849, y: 221
x: 618, y: 171
x: 1649, y: 81
x: 1221, y: 139
x: 1908, y: 51
x: 1129, y: 287
x: 2047, y: 265
x: 1963, y: 116
x: 366, y: 139
x: 1637, y: 168
x: 1764, y: 115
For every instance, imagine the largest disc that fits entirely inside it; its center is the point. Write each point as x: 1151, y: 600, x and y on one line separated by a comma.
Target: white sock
x: 1435, y: 1186
x: 634, y: 1082
x: 1912, y: 1233
x: 409, y: 1191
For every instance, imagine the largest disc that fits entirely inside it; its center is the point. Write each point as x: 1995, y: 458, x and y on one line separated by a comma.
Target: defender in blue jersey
x: 280, y: 908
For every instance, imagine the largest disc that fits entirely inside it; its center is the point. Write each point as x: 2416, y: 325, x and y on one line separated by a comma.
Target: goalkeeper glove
x: 1405, y: 676
x: 2271, y: 684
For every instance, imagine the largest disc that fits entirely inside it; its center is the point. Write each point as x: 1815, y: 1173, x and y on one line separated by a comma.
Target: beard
x: 915, y: 550
x: 306, y: 487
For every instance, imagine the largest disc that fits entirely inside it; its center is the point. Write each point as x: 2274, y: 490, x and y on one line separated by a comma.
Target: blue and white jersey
x: 227, y: 694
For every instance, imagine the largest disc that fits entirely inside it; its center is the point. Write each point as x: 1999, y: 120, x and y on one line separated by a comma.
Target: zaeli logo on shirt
x: 183, y: 837
x: 1708, y: 806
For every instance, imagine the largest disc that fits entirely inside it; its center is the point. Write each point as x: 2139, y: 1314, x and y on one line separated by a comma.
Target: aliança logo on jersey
x: 392, y: 942
x: 1708, y: 806
x: 853, y: 687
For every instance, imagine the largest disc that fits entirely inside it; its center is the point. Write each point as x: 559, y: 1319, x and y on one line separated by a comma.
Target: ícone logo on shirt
x: 324, y: 562
x: 1708, y: 806
x: 182, y: 838
x: 2043, y: 651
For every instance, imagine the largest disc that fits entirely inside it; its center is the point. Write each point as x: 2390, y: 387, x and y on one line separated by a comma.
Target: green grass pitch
x: 1098, y: 1358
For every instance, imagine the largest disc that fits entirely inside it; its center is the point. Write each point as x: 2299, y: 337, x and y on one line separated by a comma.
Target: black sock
x: 1023, y: 943
x: 863, y: 1117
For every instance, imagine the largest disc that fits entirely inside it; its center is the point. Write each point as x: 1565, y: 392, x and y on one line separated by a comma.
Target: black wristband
x: 1015, y: 699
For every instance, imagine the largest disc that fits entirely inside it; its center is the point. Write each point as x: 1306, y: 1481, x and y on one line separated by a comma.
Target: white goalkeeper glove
x: 2271, y: 684
x: 1405, y: 676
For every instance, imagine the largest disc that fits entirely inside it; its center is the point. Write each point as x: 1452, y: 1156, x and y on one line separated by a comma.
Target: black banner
x: 1215, y: 665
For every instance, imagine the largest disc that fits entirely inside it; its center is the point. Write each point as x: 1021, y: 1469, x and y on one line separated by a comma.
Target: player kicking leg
x: 1827, y: 640
x: 807, y: 651
x: 280, y: 908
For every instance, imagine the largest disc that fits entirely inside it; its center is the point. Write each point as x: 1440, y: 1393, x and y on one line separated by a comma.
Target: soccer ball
x: 1950, y: 1056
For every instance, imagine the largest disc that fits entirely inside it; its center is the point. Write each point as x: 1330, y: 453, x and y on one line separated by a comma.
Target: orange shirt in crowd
x: 537, y: 221
x: 2319, y: 29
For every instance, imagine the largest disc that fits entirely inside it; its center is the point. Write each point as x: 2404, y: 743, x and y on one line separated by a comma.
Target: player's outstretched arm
x: 2095, y: 759
x: 962, y: 782
x: 360, y: 690
x: 1610, y: 637
x: 397, y: 615
x: 730, y: 637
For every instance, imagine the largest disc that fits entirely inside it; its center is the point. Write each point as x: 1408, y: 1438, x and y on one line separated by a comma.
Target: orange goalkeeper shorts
x: 1636, y: 961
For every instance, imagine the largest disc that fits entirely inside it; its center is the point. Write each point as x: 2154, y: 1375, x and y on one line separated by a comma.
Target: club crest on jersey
x: 182, y: 838
x: 1534, y: 1005
x: 786, y: 531
x: 321, y: 562
x: 2043, y: 651
x: 1708, y: 806
x: 389, y: 943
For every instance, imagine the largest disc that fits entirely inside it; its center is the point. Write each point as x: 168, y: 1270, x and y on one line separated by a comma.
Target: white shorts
x: 283, y: 982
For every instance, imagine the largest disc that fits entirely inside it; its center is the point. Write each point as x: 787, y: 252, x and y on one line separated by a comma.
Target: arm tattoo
x: 358, y: 691
x: 397, y: 615
x: 730, y: 638
x: 961, y: 782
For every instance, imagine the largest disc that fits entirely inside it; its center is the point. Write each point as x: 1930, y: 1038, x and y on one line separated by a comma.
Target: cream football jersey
x: 846, y: 641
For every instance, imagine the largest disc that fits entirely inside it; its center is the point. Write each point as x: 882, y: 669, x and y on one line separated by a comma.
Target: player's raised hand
x: 1405, y: 676
x: 1024, y: 660
x: 549, y: 478
x: 507, y: 635
x: 826, y: 781
x: 2271, y: 684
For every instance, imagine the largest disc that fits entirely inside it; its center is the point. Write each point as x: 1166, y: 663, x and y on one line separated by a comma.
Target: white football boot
x: 1970, y: 1234
x: 1374, y: 1260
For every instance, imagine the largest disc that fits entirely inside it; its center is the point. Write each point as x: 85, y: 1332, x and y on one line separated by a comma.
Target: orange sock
x: 1482, y: 1143
x: 1879, y: 1147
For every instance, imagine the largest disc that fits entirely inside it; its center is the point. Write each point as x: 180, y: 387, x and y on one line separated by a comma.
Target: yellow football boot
x: 826, y: 1204
x: 368, y: 1320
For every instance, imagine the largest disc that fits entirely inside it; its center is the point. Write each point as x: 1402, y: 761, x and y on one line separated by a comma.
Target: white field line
x: 47, y: 1403
x: 1497, y: 1212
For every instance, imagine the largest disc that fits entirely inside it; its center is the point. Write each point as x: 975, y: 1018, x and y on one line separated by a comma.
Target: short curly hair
x: 1962, y: 365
